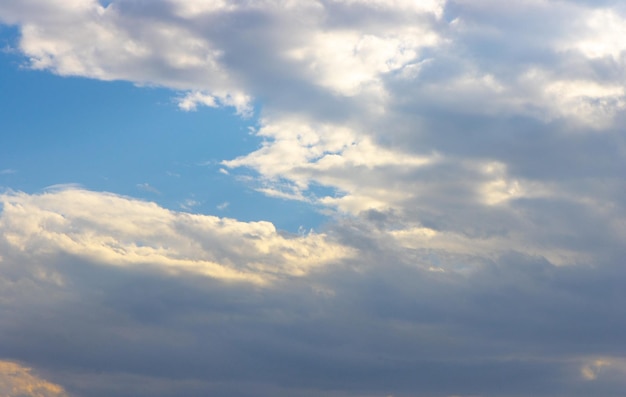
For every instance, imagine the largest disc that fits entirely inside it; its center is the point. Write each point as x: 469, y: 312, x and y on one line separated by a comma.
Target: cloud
x: 600, y: 35
x: 189, y: 204
x: 178, y: 52
x: 88, y: 296
x: 468, y: 153
x: 117, y: 231
x: 17, y: 380
x: 603, y: 366
x: 240, y: 102
x: 359, y: 96
x: 329, y: 48
x: 146, y: 187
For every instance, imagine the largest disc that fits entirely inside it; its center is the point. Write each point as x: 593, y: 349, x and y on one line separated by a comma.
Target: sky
x: 343, y: 198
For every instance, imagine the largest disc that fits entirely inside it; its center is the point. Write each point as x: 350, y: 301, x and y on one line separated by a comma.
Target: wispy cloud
x: 189, y: 204
x: 146, y: 187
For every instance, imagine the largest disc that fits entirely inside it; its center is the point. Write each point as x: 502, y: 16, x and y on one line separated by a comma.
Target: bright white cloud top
x: 469, y: 157
x: 117, y: 231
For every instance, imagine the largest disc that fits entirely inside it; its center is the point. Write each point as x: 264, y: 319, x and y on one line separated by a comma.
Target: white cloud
x: 362, y: 69
x: 240, y: 102
x: 317, y: 44
x: 117, y: 231
x: 85, y: 39
x: 298, y: 154
x: 189, y: 204
x: 148, y: 188
x: 347, y: 62
x: 592, y: 103
x: 460, y: 161
x: 602, y: 35
x: 173, y: 50
x: 465, y: 126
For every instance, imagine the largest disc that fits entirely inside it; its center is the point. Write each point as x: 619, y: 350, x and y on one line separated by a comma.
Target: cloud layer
x: 102, y: 314
x: 469, y: 156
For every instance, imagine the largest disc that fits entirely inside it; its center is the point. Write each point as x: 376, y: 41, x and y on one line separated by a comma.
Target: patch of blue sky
x: 318, y: 191
x: 129, y: 140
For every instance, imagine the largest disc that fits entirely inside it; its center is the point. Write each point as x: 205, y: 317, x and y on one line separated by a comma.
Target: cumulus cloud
x: 469, y: 155
x: 118, y: 231
x: 368, y: 79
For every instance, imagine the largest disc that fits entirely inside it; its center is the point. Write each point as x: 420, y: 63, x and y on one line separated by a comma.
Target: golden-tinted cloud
x: 19, y: 381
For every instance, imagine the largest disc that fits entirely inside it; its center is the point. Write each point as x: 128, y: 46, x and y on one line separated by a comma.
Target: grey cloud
x: 383, y: 324
x: 491, y: 268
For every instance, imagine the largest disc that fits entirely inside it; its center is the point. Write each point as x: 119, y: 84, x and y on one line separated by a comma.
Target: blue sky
x: 343, y: 198
x: 134, y: 141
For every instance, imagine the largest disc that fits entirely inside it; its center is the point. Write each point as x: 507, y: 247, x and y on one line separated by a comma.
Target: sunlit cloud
x: 465, y: 160
x: 17, y: 380
x: 118, y: 231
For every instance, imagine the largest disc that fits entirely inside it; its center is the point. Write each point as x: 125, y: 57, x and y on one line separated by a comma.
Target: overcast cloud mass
x: 468, y: 156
